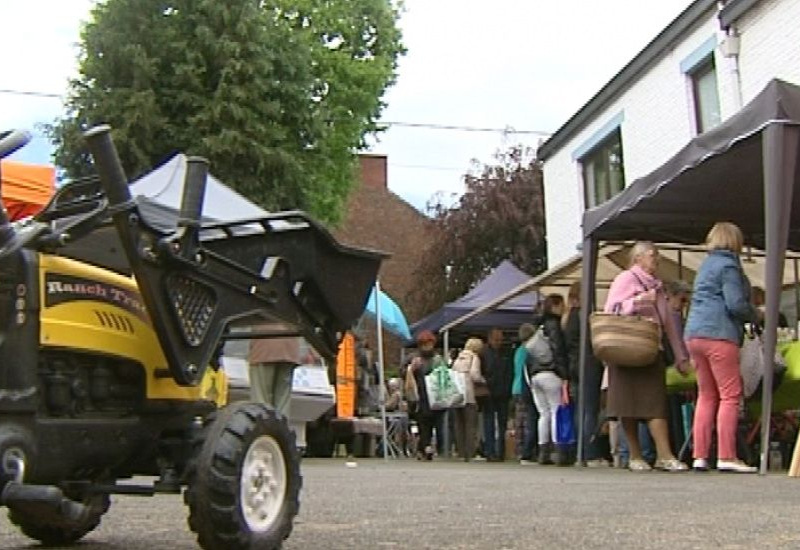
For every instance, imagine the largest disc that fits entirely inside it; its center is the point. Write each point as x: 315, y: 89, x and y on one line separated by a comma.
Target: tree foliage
x: 499, y: 217
x: 277, y: 94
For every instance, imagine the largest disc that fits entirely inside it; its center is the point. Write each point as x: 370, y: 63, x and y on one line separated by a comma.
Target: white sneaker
x: 524, y: 462
x: 700, y: 465
x: 735, y: 466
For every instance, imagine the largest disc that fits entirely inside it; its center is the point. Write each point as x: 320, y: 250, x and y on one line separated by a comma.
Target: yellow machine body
x: 90, y: 309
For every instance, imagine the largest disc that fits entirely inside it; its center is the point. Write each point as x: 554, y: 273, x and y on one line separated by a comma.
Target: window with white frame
x: 603, y: 170
x: 705, y: 95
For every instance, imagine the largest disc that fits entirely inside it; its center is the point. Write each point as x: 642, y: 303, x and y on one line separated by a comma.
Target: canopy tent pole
x: 446, y: 422
x: 780, y: 152
x: 381, y: 381
x: 588, y: 275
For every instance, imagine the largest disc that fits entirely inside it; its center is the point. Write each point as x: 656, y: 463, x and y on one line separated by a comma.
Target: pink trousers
x: 719, y: 387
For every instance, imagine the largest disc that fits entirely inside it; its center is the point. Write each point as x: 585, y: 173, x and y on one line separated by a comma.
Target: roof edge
x: 625, y: 77
x: 733, y: 10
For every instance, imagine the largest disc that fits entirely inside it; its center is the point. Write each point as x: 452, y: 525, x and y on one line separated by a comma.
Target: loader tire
x: 244, y: 484
x: 62, y: 535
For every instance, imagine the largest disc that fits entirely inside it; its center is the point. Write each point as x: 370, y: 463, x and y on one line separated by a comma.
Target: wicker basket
x: 624, y: 340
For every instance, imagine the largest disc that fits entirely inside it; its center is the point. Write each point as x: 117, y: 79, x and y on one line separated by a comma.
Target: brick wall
x: 377, y: 218
x: 374, y: 171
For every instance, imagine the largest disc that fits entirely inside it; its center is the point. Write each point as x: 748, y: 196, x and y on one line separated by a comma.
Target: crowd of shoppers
x: 540, y: 373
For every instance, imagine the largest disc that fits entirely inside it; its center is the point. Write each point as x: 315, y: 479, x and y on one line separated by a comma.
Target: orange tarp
x: 26, y: 187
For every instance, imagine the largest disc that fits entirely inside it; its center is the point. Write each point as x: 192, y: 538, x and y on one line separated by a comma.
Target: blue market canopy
x: 504, y: 278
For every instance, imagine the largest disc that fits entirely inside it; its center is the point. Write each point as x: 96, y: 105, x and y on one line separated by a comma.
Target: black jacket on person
x: 572, y: 341
x: 551, y: 325
x: 497, y: 371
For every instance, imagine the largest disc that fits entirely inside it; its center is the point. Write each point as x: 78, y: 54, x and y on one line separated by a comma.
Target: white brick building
x: 689, y: 78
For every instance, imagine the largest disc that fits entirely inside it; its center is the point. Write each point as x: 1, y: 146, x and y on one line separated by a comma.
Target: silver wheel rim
x: 263, y: 483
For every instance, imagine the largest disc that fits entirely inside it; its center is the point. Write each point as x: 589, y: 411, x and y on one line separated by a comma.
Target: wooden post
x: 794, y: 468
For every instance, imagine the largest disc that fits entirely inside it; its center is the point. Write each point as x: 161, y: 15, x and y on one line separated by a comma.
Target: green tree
x: 500, y: 216
x: 240, y: 82
x: 354, y: 47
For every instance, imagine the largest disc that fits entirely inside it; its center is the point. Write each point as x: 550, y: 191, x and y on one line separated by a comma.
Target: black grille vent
x: 114, y: 321
x: 194, y: 304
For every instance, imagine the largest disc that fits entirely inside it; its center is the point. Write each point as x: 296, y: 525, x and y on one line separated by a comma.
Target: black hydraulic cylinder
x: 108, y: 165
x: 194, y: 190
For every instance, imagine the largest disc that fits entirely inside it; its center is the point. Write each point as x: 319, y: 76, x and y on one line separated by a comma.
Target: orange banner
x: 346, y: 378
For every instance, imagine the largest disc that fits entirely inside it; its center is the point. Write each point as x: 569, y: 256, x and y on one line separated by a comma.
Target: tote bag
x: 565, y: 427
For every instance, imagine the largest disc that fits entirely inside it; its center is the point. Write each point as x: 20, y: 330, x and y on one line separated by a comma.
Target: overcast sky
x: 524, y: 65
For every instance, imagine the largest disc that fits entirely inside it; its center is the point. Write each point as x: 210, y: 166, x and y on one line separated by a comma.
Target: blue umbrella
x: 392, y: 316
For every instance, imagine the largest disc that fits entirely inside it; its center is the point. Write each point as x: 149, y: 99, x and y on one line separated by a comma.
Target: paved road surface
x: 450, y: 505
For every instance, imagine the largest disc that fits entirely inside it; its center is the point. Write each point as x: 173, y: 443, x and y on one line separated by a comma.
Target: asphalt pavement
x: 452, y: 505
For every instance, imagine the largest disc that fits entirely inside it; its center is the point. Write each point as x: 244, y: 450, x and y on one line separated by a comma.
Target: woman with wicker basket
x: 639, y: 392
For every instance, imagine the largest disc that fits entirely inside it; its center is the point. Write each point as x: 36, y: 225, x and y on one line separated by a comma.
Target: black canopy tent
x: 744, y: 171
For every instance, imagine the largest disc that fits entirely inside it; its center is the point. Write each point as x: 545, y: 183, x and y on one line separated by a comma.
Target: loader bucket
x: 200, y: 281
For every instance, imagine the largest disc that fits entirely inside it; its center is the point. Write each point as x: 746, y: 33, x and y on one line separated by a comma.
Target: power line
x: 31, y: 93
x: 402, y: 124
x: 428, y: 167
x: 432, y: 126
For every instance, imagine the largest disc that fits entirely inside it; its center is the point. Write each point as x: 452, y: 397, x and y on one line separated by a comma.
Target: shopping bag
x: 565, y: 427
x: 411, y: 390
x: 751, y: 365
x: 446, y: 388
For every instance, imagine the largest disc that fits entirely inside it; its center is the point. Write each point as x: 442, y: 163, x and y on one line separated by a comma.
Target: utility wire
x: 428, y: 167
x: 401, y: 124
x: 431, y: 126
x: 30, y: 93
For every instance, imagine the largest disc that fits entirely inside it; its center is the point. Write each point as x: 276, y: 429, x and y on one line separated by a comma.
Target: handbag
x: 411, y: 390
x: 751, y: 366
x: 446, y: 388
x: 481, y: 389
x: 624, y: 340
x: 539, y: 348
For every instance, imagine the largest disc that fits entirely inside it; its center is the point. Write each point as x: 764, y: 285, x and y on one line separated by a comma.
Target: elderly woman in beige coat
x: 468, y: 362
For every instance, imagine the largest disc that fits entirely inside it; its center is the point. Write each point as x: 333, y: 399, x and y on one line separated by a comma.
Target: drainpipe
x: 730, y: 49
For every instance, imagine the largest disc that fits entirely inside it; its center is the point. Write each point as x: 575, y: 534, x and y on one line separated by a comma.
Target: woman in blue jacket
x: 714, y: 331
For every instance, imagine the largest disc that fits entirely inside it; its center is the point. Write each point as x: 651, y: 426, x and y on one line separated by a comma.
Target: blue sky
x: 503, y: 64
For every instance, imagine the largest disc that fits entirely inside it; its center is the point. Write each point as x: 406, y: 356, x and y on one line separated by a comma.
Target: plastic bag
x: 446, y: 388
x: 565, y: 429
x: 565, y: 413
x: 751, y: 365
